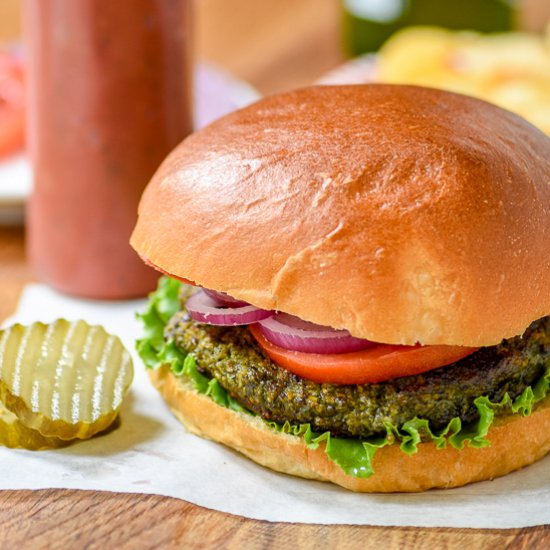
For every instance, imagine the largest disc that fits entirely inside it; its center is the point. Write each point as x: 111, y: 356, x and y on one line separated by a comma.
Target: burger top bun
x: 400, y: 213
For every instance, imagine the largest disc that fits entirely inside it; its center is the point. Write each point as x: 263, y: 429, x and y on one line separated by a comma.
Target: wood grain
x: 274, y: 44
x: 283, y: 44
x: 31, y: 519
x: 14, y: 271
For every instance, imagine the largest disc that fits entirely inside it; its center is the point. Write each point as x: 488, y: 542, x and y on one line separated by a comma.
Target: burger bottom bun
x: 516, y: 441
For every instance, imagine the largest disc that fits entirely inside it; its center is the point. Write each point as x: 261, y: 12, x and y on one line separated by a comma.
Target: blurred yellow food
x: 510, y: 69
x: 65, y: 380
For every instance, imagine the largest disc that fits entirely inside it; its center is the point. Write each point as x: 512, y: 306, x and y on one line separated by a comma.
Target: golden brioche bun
x: 400, y: 213
x: 516, y: 441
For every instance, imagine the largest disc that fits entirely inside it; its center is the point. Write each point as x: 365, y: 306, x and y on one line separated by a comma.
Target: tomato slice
x: 377, y: 364
x: 12, y: 105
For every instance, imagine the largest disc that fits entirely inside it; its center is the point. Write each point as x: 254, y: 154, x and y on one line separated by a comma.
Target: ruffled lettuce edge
x: 354, y: 456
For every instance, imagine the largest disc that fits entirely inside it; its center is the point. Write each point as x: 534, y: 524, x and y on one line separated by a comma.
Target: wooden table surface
x: 294, y: 45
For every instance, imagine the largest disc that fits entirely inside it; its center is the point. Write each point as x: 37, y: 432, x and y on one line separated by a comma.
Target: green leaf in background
x: 354, y: 456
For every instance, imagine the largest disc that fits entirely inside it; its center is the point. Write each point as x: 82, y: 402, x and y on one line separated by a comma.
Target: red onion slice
x: 204, y: 309
x: 289, y: 332
x: 224, y: 299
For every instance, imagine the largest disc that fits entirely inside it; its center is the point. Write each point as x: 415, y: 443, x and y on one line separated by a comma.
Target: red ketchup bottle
x: 109, y: 97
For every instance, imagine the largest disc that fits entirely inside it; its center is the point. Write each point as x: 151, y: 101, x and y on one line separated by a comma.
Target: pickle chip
x: 14, y: 434
x: 66, y: 379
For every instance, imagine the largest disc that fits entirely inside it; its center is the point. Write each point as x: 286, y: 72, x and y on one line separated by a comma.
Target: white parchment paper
x: 152, y: 453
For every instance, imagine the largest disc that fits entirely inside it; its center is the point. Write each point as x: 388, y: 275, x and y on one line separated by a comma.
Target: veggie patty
x: 232, y: 356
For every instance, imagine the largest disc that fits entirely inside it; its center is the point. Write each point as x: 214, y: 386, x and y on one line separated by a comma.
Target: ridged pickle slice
x: 65, y: 379
x: 14, y: 434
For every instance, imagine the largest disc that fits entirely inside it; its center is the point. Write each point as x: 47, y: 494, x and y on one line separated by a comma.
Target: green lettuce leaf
x: 354, y: 456
x: 162, y: 305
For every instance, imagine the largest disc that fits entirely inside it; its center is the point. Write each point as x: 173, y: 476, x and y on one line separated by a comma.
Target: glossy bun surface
x: 400, y: 213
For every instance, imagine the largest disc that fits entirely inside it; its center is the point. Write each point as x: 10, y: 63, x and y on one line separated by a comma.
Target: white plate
x: 15, y: 178
x: 360, y: 70
x: 216, y: 93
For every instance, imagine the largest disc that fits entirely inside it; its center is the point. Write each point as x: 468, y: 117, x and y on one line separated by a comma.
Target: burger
x: 357, y: 286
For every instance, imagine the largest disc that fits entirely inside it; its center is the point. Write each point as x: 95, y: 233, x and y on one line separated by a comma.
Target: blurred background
x: 498, y: 50
x: 280, y: 44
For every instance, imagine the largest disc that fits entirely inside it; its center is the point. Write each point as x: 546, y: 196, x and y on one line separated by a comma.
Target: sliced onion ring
x: 204, y: 309
x: 289, y: 332
x: 223, y: 299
